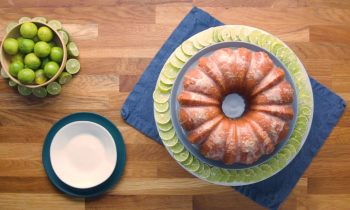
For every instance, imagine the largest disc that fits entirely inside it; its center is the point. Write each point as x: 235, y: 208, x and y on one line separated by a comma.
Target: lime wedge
x: 55, y: 24
x: 10, y: 26
x: 54, y: 88
x: 172, y: 142
x: 160, y: 97
x: 254, y: 36
x: 72, y: 49
x: 64, y: 35
x: 188, y: 161
x: 64, y: 78
x: 4, y: 74
x: 12, y: 83
x: 24, y: 19
x: 181, y: 55
x: 182, y: 156
x: 194, y: 166
x: 167, y: 135
x: 165, y: 127
x: 205, y: 173
x: 162, y: 118
x: 72, y: 66
x: 225, y: 34
x: 177, y: 148
x: 40, y: 92
x: 39, y: 19
x: 188, y: 48
x: 161, y: 107
x: 24, y: 91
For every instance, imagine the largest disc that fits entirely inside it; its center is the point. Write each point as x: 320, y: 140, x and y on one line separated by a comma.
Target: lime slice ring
x: 55, y: 24
x: 72, y: 66
x: 40, y: 92
x: 54, y: 88
x: 72, y: 49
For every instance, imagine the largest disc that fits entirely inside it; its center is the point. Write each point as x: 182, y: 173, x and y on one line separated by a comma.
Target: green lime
x: 16, y: 67
x: 40, y: 77
x: 24, y: 19
x: 64, y: 78
x: 24, y: 91
x: 39, y: 19
x: 56, y: 54
x: 40, y: 92
x: 26, y: 76
x: 72, y: 49
x: 53, y: 88
x: 26, y: 46
x: 11, y: 46
x: 64, y: 35
x: 45, y: 34
x: 72, y: 66
x: 55, y: 24
x: 4, y: 74
x: 44, y: 62
x: 42, y: 49
x: 12, y: 83
x: 17, y: 57
x: 11, y: 26
x: 32, y: 61
x: 51, y: 69
x: 28, y: 30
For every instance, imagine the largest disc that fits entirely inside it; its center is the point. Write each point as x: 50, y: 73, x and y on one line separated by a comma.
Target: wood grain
x: 117, y: 40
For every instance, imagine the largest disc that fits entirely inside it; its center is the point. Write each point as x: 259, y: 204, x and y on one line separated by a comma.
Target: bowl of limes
x: 33, y: 54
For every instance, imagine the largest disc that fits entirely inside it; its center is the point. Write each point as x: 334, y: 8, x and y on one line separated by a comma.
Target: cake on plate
x: 268, y: 98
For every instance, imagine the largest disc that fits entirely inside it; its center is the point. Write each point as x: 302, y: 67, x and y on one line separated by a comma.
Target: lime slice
x: 12, y: 83
x: 205, y: 173
x: 182, y: 156
x: 243, y: 35
x: 262, y: 39
x: 72, y: 66
x: 164, y: 88
x: 225, y: 34
x: 160, y: 97
x: 240, y: 175
x: 177, y: 63
x: 282, y: 53
x: 234, y: 34
x: 161, y: 107
x: 165, y: 80
x: 162, y: 118
x: 181, y: 55
x: 268, y: 42
x: 40, y: 92
x: 267, y: 170
x: 258, y: 174
x: 254, y: 36
x: 172, y: 142
x: 291, y: 149
x: 305, y: 111
x: 4, y: 74
x: 64, y: 35
x: 64, y: 78
x: 10, y: 26
x: 188, y: 48
x: 167, y: 135
x: 196, y: 44
x: 293, y: 67
x: 295, y: 143
x: 248, y: 175
x: 215, y: 174
x: 201, y: 168
x: 188, y: 161
x: 40, y: 19
x: 165, y: 127
x: 54, y: 88
x: 203, y: 39
x: 275, y: 47
x: 24, y: 91
x: 233, y: 176
x: 282, y: 160
x: 55, y: 24
x: 225, y: 175
x: 170, y: 71
x: 72, y: 49
x: 24, y: 19
x: 194, y: 166
x: 177, y: 148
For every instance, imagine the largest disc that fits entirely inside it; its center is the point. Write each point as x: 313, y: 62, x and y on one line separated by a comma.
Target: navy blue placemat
x: 138, y: 112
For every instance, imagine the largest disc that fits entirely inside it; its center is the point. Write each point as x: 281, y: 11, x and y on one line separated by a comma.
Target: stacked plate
x: 169, y: 84
x: 84, y: 155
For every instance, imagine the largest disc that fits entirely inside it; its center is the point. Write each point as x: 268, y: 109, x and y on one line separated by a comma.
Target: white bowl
x: 83, y: 154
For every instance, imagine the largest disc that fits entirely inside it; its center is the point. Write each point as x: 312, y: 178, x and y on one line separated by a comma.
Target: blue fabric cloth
x: 138, y: 112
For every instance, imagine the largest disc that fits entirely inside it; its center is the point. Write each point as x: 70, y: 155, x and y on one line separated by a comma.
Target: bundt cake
x: 268, y: 110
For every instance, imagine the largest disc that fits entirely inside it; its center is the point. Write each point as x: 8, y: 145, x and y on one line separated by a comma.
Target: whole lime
x: 11, y: 46
x: 26, y: 76
x: 32, y: 61
x: 56, y: 54
x: 26, y: 46
x: 45, y: 34
x: 40, y: 77
x: 51, y: 69
x: 16, y: 67
x: 42, y: 49
x: 17, y: 57
x: 28, y: 30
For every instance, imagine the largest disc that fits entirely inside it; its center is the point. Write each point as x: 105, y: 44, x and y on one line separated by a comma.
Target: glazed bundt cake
x: 268, y: 110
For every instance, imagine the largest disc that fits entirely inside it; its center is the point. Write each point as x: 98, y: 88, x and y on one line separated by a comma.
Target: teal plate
x: 121, y: 155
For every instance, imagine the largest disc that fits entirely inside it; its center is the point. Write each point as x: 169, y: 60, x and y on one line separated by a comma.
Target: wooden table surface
x: 117, y: 40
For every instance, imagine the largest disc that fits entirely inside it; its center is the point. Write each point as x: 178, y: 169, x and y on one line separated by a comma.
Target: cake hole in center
x: 233, y: 105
